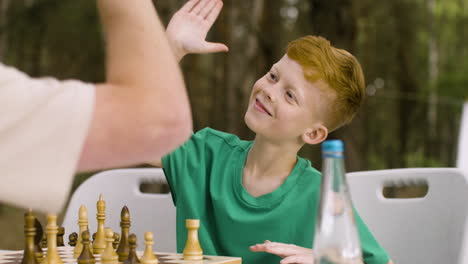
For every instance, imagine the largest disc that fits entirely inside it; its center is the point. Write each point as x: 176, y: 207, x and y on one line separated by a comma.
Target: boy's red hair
x: 339, y: 69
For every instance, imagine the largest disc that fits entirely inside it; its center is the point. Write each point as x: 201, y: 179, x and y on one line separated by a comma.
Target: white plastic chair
x: 430, y: 229
x: 148, y: 211
x: 462, y: 156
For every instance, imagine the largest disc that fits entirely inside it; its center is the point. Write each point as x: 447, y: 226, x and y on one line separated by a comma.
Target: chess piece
x: 37, y: 240
x: 72, y: 239
x: 124, y: 247
x: 109, y: 256
x: 44, y: 241
x: 132, y: 256
x: 86, y: 256
x: 29, y: 256
x: 115, y: 244
x: 60, y: 233
x: 99, y: 244
x: 52, y: 256
x: 192, y: 250
x: 83, y: 226
x: 148, y: 256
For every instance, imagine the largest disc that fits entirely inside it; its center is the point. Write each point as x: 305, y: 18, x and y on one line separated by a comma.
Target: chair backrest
x: 462, y: 156
x: 430, y: 229
x: 148, y: 211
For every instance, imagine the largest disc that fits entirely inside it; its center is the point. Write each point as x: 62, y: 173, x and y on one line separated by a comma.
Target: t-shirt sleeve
x: 42, y: 131
x: 190, y: 156
x: 372, y: 252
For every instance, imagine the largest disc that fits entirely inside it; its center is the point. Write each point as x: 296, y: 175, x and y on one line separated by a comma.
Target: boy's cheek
x: 259, y: 84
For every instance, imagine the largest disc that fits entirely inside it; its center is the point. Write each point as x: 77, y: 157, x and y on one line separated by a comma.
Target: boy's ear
x: 315, y: 135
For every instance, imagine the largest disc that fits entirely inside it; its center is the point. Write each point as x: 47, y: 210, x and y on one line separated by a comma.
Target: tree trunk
x: 242, y: 18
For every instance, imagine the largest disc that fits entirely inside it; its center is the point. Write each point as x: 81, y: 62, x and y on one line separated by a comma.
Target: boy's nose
x: 269, y: 94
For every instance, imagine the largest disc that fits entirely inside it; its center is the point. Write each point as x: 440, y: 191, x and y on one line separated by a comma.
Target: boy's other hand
x: 189, y: 26
x: 289, y: 252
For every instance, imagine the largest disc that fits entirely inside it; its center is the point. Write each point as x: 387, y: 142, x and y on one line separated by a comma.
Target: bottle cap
x: 334, y: 145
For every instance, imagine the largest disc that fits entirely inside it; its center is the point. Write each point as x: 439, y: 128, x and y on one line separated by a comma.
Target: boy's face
x: 284, y: 106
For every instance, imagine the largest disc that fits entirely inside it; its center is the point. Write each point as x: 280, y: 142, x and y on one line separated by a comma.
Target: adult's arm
x: 142, y: 111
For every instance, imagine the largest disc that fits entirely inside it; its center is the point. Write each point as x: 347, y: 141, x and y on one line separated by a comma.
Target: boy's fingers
x: 277, y: 244
x: 189, y: 5
x: 279, y: 249
x: 215, y: 47
x: 211, y: 17
x: 263, y: 248
x: 199, y: 6
x: 298, y: 259
x: 257, y: 248
x: 269, y: 244
x: 207, y: 9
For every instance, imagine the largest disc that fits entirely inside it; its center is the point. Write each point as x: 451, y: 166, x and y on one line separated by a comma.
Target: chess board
x: 66, y: 254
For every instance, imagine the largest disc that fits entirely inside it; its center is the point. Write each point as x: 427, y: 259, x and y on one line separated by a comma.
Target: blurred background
x: 413, y: 52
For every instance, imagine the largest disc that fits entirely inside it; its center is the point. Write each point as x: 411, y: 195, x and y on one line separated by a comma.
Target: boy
x: 245, y: 192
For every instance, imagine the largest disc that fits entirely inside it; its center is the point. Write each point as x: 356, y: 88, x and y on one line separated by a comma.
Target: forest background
x: 413, y: 52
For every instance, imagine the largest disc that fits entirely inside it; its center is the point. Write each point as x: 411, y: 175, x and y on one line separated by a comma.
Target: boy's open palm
x: 189, y: 26
x: 289, y: 252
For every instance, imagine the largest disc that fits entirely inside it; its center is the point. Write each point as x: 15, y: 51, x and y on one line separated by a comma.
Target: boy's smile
x: 261, y: 108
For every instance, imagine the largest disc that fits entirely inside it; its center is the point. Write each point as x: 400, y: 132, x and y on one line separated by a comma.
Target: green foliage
x: 377, y: 161
x: 419, y: 159
x: 60, y: 38
x: 449, y: 8
x: 454, y: 84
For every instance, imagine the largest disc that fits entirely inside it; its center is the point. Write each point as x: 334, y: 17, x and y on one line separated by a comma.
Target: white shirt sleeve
x: 43, y: 126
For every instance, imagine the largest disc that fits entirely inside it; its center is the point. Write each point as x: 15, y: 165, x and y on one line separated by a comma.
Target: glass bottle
x: 336, y: 239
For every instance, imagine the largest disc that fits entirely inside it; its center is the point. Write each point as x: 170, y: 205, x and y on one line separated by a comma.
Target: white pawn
x: 99, y: 244
x: 109, y: 256
x: 83, y: 224
x: 192, y: 250
x: 148, y: 256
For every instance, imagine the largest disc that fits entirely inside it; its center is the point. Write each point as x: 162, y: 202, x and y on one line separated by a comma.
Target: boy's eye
x: 290, y: 95
x: 272, y: 76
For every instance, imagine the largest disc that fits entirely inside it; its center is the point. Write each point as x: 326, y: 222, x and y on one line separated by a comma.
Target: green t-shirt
x: 205, y: 177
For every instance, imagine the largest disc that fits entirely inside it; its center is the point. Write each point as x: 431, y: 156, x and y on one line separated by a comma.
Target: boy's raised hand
x: 289, y: 252
x: 189, y: 26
